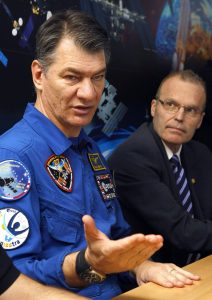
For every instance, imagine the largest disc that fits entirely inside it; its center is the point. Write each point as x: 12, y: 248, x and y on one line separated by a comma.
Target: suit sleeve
x: 142, y: 183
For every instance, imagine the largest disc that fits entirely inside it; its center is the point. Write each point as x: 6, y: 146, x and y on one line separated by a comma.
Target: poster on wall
x: 148, y: 39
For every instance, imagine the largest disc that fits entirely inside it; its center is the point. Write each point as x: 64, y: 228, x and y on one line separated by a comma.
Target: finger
x: 163, y: 278
x: 150, y: 245
x: 175, y: 282
x: 130, y: 243
x: 187, y: 274
x: 131, y: 250
x: 136, y: 244
x: 179, y: 279
x: 154, y: 238
x: 139, y: 253
x: 177, y: 275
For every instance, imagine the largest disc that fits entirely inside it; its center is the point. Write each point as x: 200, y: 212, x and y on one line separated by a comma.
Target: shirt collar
x: 169, y: 151
x: 52, y: 135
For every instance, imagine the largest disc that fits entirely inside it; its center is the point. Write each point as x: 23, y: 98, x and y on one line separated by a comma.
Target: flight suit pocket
x: 62, y: 225
x: 60, y: 222
x: 62, y: 230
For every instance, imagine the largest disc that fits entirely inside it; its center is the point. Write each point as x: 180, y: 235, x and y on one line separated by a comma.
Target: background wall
x: 149, y: 39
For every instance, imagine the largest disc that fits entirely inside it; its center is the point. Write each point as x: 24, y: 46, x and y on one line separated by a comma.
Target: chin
x: 79, y: 124
x: 175, y: 142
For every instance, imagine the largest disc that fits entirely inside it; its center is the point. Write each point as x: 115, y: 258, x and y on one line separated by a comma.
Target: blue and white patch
x: 14, y: 228
x: 15, y: 180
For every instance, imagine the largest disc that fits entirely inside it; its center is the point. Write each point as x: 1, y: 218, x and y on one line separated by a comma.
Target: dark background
x: 143, y: 38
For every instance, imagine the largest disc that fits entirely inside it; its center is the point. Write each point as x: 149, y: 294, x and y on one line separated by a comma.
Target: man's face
x: 69, y: 92
x: 179, y: 127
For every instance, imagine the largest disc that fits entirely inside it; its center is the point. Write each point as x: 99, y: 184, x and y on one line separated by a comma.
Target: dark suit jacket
x: 149, y: 197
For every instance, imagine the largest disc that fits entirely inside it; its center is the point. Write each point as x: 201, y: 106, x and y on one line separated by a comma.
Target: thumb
x: 89, y: 227
x: 91, y: 232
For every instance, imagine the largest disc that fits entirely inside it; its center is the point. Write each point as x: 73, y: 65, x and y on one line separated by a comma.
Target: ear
x: 37, y: 74
x: 153, y: 107
x: 200, y: 121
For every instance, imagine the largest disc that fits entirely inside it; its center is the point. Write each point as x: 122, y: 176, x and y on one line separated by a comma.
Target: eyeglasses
x: 173, y: 107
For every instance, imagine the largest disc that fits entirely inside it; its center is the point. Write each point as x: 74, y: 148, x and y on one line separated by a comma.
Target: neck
x: 67, y: 131
x: 173, y: 148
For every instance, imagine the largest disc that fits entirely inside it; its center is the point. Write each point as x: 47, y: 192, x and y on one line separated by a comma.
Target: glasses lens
x: 171, y: 106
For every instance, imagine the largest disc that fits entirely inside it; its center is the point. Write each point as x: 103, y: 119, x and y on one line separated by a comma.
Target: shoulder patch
x: 60, y: 171
x: 15, y: 180
x: 14, y: 228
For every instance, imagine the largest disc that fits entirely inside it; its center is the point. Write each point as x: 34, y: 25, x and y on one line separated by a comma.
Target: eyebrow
x: 171, y: 99
x: 76, y: 71
x: 188, y: 106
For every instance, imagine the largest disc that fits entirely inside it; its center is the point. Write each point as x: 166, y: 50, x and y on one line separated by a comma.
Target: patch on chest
x: 15, y: 180
x: 96, y: 162
x: 60, y: 171
x: 106, y: 186
x: 14, y: 228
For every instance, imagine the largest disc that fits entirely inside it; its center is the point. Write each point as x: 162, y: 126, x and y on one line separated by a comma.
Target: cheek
x: 192, y: 126
x: 159, y: 122
x: 99, y: 89
x: 51, y: 93
x: 190, y: 132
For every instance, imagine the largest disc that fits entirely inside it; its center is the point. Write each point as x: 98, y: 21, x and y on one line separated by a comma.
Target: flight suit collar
x: 52, y: 135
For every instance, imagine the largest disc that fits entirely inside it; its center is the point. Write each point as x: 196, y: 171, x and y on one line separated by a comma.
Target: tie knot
x: 175, y: 162
x: 175, y: 159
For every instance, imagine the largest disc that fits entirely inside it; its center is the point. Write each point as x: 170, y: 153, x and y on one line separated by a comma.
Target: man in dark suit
x: 152, y: 198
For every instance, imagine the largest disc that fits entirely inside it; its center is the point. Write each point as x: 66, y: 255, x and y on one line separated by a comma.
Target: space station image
x: 147, y: 37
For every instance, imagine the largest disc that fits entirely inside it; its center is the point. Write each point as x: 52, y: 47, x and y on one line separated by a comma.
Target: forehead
x: 185, y: 92
x: 68, y: 55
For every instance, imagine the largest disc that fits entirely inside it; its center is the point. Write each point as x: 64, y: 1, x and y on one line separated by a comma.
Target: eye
x: 171, y: 104
x: 191, y: 110
x: 99, y: 77
x: 71, y: 77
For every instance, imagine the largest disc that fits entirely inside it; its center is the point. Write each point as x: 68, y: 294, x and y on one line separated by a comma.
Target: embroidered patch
x: 106, y: 186
x: 59, y: 168
x: 96, y: 162
x: 14, y: 228
x: 15, y: 180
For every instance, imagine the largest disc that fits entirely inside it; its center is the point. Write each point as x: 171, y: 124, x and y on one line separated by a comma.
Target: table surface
x: 200, y: 290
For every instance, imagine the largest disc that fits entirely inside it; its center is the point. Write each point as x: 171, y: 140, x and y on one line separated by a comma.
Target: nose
x: 86, y: 90
x: 180, y: 114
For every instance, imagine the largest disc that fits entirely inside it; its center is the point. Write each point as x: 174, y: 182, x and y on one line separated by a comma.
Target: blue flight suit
x: 62, y: 179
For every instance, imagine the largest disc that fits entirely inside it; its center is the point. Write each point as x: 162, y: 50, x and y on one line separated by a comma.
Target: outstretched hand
x: 109, y: 256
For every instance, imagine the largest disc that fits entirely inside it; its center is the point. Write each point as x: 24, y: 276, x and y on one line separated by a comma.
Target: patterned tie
x: 182, y: 184
x: 185, y: 196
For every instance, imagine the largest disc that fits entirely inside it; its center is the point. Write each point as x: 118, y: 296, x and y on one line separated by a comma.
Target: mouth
x: 82, y: 110
x: 176, y: 129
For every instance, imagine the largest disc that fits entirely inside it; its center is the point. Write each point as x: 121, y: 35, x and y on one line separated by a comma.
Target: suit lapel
x: 166, y: 164
x: 188, y: 162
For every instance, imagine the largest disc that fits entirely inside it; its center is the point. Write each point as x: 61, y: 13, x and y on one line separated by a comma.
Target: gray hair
x: 185, y: 75
x: 79, y: 26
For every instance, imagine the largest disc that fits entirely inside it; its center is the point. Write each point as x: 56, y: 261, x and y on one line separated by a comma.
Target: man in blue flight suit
x: 56, y: 188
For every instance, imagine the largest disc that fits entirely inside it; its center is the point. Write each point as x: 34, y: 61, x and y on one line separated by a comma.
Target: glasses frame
x: 187, y: 110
